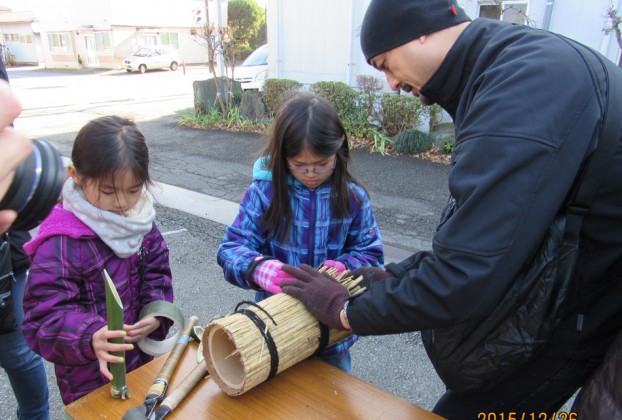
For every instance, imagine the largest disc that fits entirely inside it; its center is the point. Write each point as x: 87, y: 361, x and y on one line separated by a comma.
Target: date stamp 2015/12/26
x: 562, y: 415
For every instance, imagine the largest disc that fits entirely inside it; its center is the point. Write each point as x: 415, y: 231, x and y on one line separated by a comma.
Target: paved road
x: 407, y: 194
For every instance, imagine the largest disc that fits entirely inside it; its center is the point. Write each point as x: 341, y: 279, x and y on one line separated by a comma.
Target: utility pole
x: 208, y: 32
x: 221, y: 59
x: 218, y: 50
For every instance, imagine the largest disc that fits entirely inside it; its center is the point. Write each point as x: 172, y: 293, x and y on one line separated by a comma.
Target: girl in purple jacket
x: 105, y: 221
x: 303, y: 206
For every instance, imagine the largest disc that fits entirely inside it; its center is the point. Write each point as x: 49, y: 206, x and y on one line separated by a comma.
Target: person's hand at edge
x: 322, y: 295
x: 14, y: 148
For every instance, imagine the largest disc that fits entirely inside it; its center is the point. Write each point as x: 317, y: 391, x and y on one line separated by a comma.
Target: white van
x: 148, y: 58
x: 253, y: 71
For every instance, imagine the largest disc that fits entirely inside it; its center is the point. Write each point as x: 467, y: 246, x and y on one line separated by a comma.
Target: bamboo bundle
x: 248, y: 347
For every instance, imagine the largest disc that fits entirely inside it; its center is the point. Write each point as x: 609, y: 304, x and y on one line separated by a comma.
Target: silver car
x: 253, y: 71
x: 148, y: 58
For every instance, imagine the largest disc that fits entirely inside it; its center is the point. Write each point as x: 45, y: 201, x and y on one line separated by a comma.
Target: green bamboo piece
x: 114, y: 309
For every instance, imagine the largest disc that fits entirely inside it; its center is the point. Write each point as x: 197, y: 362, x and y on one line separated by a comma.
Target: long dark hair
x: 305, y: 122
x: 108, y: 145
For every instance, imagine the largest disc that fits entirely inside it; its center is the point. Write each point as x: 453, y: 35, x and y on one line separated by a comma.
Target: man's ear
x: 73, y: 173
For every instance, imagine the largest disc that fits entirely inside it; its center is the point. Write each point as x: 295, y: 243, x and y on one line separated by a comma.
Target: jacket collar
x: 447, y: 84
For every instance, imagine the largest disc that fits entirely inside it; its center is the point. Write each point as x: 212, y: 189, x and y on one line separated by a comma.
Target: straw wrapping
x: 234, y: 346
x: 265, y: 332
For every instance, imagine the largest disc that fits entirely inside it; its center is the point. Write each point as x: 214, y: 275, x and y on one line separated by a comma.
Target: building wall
x: 19, y: 40
x: 587, y: 29
x: 311, y: 41
x: 318, y: 40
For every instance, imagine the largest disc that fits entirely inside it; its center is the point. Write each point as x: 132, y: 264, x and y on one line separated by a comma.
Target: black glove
x: 371, y: 275
x: 321, y: 294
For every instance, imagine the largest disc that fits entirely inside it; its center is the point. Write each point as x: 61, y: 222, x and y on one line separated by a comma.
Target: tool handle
x: 184, y: 388
x: 174, y: 357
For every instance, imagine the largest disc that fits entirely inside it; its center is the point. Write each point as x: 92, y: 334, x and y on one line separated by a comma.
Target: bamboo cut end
x: 223, y: 359
x: 122, y: 393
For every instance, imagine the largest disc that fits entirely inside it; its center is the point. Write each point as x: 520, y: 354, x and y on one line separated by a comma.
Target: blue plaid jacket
x: 315, y: 235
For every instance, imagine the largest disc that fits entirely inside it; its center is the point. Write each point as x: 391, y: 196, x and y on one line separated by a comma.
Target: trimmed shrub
x: 399, y: 113
x: 449, y: 144
x: 351, y: 106
x: 412, y: 142
x: 278, y: 91
x: 342, y: 96
x: 368, y: 84
x: 434, y: 114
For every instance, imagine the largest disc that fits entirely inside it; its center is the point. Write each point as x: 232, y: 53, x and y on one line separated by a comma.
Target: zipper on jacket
x: 312, y: 227
x: 143, y: 265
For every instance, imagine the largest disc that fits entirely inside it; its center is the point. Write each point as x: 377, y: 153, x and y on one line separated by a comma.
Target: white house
x: 318, y: 40
x: 70, y: 33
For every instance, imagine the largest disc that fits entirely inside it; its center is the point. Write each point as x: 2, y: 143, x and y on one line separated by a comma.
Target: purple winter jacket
x: 65, y: 298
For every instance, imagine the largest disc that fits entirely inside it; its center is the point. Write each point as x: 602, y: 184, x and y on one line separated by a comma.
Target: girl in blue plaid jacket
x: 303, y: 206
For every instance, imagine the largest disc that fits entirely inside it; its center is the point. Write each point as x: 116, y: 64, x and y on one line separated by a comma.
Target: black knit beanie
x: 390, y: 23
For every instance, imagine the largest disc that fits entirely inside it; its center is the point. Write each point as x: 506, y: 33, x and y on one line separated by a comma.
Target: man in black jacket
x: 528, y: 108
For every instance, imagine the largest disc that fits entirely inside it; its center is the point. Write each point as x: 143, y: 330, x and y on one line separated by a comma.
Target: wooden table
x: 308, y: 390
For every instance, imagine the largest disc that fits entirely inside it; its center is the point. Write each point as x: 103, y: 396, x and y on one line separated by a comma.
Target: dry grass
x: 433, y: 155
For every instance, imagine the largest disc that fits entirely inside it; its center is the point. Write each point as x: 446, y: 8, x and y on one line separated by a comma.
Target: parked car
x: 148, y: 58
x: 253, y: 71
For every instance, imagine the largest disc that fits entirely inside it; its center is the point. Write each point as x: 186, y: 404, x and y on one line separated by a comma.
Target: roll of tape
x: 164, y: 309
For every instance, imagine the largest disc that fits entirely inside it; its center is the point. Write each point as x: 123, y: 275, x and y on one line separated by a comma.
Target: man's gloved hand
x: 371, y: 275
x: 321, y: 294
x: 337, y: 265
x: 268, y: 275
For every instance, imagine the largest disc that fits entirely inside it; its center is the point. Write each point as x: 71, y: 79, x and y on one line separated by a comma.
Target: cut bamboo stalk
x: 241, y: 353
x: 114, y: 310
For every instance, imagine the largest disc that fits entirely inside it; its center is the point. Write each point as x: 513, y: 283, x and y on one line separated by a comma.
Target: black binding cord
x: 324, y: 336
x: 274, y: 354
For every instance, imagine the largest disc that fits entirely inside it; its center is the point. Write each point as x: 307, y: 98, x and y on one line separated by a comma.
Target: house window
x: 148, y: 40
x: 170, y: 39
x: 59, y: 42
x: 102, y: 41
x: 25, y: 39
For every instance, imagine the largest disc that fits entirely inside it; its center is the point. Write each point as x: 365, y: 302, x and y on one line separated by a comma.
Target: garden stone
x: 252, y: 106
x: 206, y: 93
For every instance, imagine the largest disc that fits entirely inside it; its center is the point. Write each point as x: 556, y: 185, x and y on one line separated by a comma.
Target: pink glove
x: 268, y: 275
x: 337, y: 265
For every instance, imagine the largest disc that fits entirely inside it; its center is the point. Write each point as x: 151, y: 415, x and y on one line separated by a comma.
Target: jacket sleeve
x: 157, y: 283
x: 55, y: 326
x: 363, y: 245
x: 507, y: 185
x: 244, y: 238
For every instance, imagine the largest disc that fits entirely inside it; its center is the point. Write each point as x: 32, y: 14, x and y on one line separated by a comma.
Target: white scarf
x: 123, y: 234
